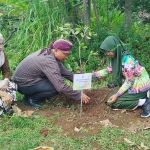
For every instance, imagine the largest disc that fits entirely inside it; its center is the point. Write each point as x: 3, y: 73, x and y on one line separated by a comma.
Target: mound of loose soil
x: 81, y: 122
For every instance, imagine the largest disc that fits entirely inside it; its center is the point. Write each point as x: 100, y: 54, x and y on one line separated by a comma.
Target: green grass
x: 35, y: 30
x: 19, y: 133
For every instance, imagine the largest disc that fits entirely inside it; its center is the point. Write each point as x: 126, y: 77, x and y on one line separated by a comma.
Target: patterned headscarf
x: 62, y: 44
x: 114, y: 44
x: 2, y: 56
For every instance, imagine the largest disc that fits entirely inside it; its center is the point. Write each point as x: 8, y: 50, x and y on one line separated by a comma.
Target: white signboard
x: 82, y: 81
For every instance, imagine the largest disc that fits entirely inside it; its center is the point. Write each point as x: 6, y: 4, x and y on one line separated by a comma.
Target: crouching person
x: 41, y: 75
x: 130, y: 75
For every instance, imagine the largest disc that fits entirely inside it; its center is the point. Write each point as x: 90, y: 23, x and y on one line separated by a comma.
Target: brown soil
x: 73, y: 121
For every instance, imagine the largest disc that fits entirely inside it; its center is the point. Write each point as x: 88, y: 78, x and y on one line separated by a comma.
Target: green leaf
x: 65, y: 32
x: 69, y: 67
x: 61, y: 28
x: 77, y: 32
x: 90, y: 33
x: 82, y: 35
x: 84, y: 47
x: 88, y: 37
x: 78, y: 29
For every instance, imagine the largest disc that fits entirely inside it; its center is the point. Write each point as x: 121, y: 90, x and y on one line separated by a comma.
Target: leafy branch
x: 79, y: 33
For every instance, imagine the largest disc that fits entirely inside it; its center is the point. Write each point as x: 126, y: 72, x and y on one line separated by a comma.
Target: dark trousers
x: 39, y: 91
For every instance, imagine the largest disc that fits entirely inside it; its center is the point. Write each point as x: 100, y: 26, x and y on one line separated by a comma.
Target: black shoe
x: 32, y: 103
x: 146, y: 109
x: 112, y: 84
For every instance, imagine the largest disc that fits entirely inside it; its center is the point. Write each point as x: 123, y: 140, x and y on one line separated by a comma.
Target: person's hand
x: 95, y: 75
x: 112, y: 99
x: 85, y: 98
x: 99, y: 78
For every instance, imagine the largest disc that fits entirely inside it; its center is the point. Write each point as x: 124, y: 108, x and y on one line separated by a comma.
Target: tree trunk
x: 95, y: 12
x: 86, y: 5
x: 128, y: 13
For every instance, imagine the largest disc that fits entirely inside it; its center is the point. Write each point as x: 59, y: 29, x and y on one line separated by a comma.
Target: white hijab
x: 2, y: 57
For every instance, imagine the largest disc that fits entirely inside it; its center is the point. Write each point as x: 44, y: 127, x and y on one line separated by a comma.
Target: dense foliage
x: 30, y: 25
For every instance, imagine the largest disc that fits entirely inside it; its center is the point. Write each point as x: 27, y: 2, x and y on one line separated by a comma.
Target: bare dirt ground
x: 94, y: 115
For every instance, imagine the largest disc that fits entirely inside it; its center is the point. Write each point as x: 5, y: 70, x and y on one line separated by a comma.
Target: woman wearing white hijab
x: 4, y: 64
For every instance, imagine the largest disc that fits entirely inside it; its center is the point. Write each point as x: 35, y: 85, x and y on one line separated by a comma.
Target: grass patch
x: 19, y: 133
